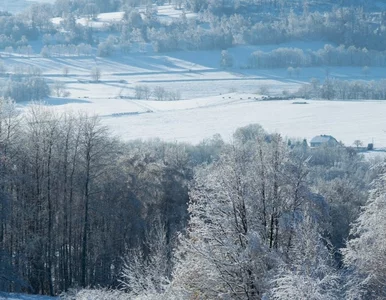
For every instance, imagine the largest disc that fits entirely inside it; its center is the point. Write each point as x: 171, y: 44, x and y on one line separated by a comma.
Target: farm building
x: 323, y: 140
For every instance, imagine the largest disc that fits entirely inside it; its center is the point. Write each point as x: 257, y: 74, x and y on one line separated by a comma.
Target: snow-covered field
x: 214, y: 100
x: 166, y: 14
x: 346, y: 121
x: 4, y: 296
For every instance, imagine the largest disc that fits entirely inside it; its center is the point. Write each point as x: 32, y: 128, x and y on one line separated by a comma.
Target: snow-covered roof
x: 321, y: 139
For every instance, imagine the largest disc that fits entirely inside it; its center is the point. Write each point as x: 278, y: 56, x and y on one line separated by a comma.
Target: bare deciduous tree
x: 96, y: 74
x: 358, y: 143
x: 59, y: 87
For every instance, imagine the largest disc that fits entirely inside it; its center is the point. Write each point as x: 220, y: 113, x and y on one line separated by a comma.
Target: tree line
x: 343, y: 25
x: 333, y: 88
x: 74, y: 199
x: 327, y: 56
x: 268, y: 219
x: 244, y: 219
x: 219, y: 25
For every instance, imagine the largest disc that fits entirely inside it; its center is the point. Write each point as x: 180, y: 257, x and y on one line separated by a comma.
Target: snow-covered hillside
x: 346, y: 121
x: 215, y: 100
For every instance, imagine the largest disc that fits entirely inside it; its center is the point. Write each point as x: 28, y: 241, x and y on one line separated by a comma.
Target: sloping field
x: 346, y: 121
x: 214, y: 100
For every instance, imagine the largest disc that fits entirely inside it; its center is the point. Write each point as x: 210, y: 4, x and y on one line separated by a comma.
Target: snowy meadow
x: 212, y: 99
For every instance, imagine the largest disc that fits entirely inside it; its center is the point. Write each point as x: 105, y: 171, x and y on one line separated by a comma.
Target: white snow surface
x: 346, y: 121
x: 214, y: 100
x: 101, y: 20
x: 166, y: 14
x: 5, y: 296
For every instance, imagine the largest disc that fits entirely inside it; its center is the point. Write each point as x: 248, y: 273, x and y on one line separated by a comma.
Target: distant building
x: 323, y: 140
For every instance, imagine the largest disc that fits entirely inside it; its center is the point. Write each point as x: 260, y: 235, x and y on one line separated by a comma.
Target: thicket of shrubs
x: 333, y: 88
x: 159, y: 93
x: 328, y: 56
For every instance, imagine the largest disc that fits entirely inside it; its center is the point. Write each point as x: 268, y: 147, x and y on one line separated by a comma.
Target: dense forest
x: 219, y: 24
x: 262, y: 215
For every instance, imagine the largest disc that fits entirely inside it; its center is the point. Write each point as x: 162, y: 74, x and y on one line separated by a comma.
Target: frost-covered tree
x: 246, y: 219
x: 96, y: 74
x: 226, y: 59
x: 27, y: 89
x: 106, y: 48
x: 142, y: 92
x: 59, y: 87
x: 226, y: 251
x: 223, y: 253
x: 9, y: 136
x: 358, y: 143
x: 146, y: 269
x: 365, y: 253
x: 160, y: 93
x: 242, y: 208
x: 309, y: 273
